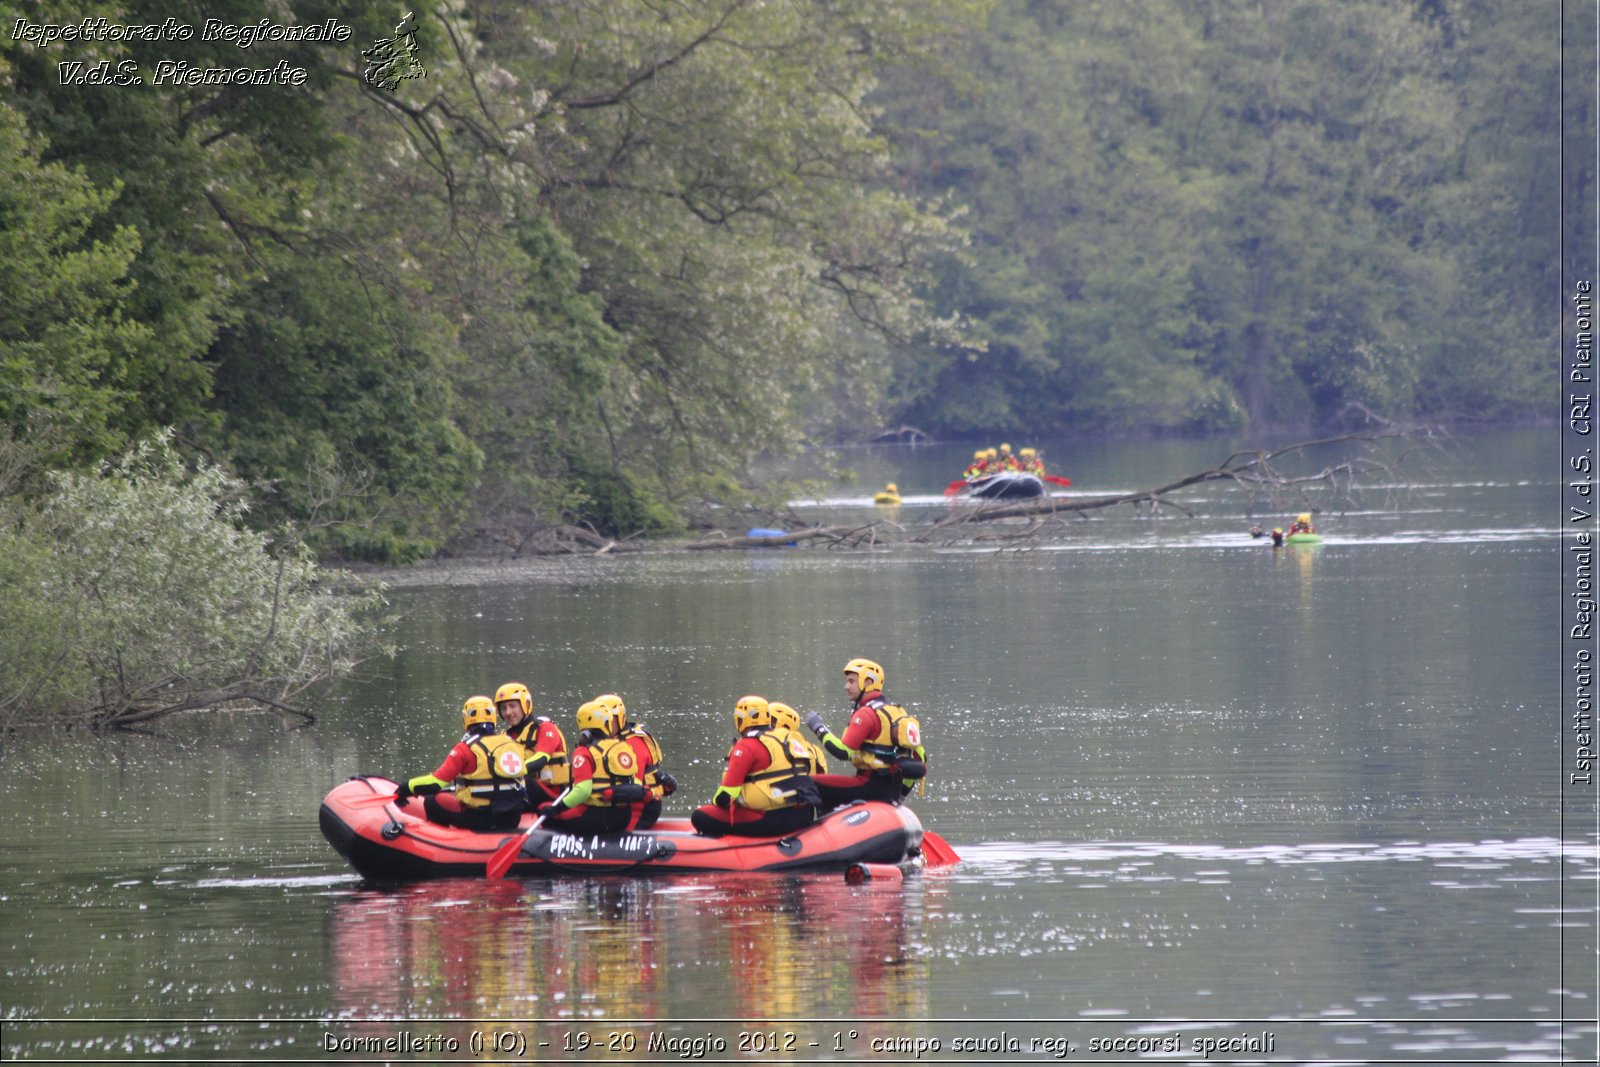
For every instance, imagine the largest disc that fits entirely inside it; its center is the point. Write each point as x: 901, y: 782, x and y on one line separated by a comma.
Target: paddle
x: 955, y: 487
x: 376, y: 798
x: 937, y: 851
x: 507, y: 853
x: 1056, y: 479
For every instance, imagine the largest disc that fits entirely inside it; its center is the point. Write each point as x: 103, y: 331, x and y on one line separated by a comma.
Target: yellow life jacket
x: 786, y: 782
x: 899, y: 736
x: 614, y: 764
x: 495, y: 781
x: 556, y: 771
x: 650, y: 772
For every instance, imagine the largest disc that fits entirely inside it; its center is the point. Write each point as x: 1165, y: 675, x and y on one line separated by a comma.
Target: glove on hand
x: 814, y: 723
x: 402, y: 794
x: 724, y: 797
x: 552, y: 810
x: 669, y: 784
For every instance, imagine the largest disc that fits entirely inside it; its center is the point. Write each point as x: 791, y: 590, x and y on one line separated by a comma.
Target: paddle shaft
x: 507, y: 853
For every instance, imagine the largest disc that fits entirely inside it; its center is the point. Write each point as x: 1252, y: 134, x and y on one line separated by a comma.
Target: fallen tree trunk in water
x: 1252, y: 470
x: 834, y: 536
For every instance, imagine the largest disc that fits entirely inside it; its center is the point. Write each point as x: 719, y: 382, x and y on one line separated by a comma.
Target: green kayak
x: 1303, y: 539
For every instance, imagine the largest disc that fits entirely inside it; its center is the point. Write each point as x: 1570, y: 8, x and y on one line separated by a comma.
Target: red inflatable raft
x: 384, y: 842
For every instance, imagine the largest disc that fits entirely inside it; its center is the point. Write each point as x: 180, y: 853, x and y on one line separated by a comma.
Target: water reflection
x: 617, y: 948
x: 453, y: 945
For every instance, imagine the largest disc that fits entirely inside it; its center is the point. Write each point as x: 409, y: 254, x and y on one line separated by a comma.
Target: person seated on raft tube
x: 606, y: 795
x: 882, y: 740
x: 1008, y: 462
x: 767, y: 789
x: 647, y: 750
x: 484, y: 771
x: 979, y: 465
x: 544, y: 748
x: 786, y: 718
x: 1028, y: 460
x: 1302, y: 524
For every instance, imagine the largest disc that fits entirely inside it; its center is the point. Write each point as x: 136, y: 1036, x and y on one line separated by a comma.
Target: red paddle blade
x: 937, y: 851
x: 955, y: 487
x: 509, y: 850
x: 1056, y: 479
x: 506, y: 854
x: 376, y: 798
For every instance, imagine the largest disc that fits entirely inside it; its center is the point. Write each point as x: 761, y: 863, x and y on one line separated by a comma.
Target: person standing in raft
x: 483, y: 771
x: 767, y: 789
x: 647, y: 750
x: 882, y: 740
x: 544, y: 747
x: 1302, y: 524
x: 606, y: 796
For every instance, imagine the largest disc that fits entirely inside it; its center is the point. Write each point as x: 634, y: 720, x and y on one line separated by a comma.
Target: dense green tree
x: 140, y: 592
x: 339, y: 399
x: 1502, y: 218
x: 720, y: 175
x: 69, y: 350
x: 1190, y: 214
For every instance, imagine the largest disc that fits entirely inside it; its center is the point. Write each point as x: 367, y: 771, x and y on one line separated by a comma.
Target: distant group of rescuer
x: 612, y: 781
x: 990, y: 461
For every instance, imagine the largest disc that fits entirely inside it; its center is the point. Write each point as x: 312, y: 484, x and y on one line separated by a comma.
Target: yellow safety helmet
x: 891, y: 487
x: 478, y: 711
x: 594, y: 718
x: 783, y: 716
x: 515, y: 691
x: 610, y: 704
x: 869, y: 675
x: 1005, y: 448
x: 979, y: 454
x: 1304, y: 516
x: 751, y: 712
x: 1028, y: 452
x: 989, y: 453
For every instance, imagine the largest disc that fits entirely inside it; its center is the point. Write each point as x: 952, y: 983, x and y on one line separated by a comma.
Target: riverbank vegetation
x: 137, y: 590
x: 600, y: 256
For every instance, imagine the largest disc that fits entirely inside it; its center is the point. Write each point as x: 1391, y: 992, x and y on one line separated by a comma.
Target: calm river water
x: 1214, y: 801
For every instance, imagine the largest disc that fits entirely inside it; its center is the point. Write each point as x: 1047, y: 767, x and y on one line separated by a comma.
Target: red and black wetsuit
x: 837, y: 789
x: 748, y: 760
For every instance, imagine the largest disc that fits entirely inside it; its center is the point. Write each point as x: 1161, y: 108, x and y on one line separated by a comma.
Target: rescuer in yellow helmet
x: 882, y: 740
x: 479, y: 786
x: 543, y: 744
x: 767, y: 788
x: 657, y: 782
x: 606, y: 795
